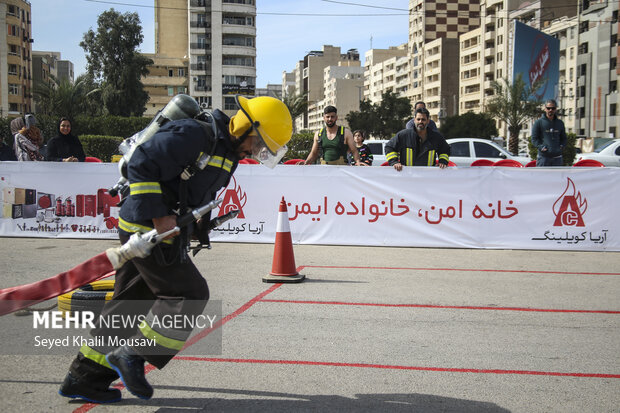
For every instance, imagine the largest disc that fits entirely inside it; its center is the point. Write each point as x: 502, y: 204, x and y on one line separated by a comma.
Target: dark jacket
x: 155, y: 167
x: 63, y: 146
x: 407, y: 148
x: 550, y: 134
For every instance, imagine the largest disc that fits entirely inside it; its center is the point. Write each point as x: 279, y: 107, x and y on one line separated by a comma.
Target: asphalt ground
x: 370, y: 329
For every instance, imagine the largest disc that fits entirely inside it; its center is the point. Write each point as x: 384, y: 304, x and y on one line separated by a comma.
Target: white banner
x: 481, y: 207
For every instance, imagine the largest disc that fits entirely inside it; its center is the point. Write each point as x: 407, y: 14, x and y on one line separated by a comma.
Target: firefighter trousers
x: 155, y: 300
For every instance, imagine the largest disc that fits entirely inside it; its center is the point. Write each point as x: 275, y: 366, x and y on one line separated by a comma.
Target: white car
x: 608, y: 154
x: 464, y: 151
x: 377, y: 147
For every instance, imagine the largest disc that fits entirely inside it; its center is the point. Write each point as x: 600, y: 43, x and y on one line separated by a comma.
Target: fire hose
x: 101, y: 265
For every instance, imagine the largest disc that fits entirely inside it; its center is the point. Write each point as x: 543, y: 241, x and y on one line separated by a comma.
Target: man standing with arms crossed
x: 335, y: 141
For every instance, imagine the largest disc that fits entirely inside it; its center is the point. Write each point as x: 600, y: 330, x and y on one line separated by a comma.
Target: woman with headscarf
x: 65, y: 147
x: 28, y: 140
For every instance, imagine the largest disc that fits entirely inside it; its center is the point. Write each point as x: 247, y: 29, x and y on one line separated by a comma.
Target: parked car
x: 377, y: 147
x: 608, y: 154
x: 463, y: 151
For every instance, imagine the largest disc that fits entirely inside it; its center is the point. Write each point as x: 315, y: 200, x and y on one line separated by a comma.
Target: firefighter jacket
x: 155, y: 167
x: 550, y: 134
x: 407, y: 148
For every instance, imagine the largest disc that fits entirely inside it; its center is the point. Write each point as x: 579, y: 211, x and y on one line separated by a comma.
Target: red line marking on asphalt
x: 463, y: 269
x: 453, y: 307
x: 396, y: 367
x: 149, y: 367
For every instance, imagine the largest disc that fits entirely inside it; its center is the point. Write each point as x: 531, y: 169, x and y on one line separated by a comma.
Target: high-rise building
x: 205, y: 48
x: 597, y: 70
x: 310, y: 79
x: 15, y: 58
x: 434, y: 30
x: 64, y: 68
x: 386, y: 69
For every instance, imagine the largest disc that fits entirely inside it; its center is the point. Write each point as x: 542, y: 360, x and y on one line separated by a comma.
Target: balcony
x: 200, y: 46
x: 200, y: 24
x: 489, y: 52
x: 200, y: 3
x: 201, y: 67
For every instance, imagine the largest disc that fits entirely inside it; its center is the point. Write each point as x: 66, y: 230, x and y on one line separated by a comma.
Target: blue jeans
x: 548, y: 161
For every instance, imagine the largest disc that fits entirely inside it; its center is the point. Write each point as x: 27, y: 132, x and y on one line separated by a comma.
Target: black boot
x: 76, y: 389
x: 130, y: 368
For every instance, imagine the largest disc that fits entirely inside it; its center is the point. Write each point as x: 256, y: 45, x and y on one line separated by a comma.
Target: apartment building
x: 310, y: 78
x: 342, y: 87
x: 205, y: 48
x: 439, y: 23
x: 597, y: 70
x: 44, y: 67
x: 386, y: 69
x: 566, y: 29
x: 15, y: 58
x: 64, y: 70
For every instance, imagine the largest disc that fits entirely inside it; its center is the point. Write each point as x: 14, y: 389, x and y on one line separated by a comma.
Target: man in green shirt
x: 334, y: 142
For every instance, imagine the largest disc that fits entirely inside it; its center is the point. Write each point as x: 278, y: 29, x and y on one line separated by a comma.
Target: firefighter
x: 418, y: 147
x: 165, y: 180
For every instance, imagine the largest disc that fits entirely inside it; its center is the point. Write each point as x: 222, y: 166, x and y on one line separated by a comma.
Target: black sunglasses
x: 551, y: 108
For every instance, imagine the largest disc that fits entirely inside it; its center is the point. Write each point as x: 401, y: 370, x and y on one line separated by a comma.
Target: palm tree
x: 63, y: 98
x: 297, y: 104
x: 514, y: 104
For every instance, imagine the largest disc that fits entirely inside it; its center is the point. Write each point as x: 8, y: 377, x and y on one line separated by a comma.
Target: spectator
x: 411, y: 123
x: 65, y: 147
x: 419, y: 147
x: 334, y: 141
x: 28, y: 141
x: 363, y: 149
x: 549, y: 136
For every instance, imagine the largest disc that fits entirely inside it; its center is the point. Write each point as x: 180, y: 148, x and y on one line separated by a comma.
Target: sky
x: 286, y: 29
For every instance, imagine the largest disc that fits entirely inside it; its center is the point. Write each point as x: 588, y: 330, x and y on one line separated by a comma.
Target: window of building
x: 570, y: 74
x: 238, y: 61
x: 13, y: 107
x: 612, y: 86
x: 12, y: 10
x: 612, y: 63
x: 170, y: 91
x: 13, y: 70
x: 612, y: 109
x: 170, y: 72
x: 13, y: 89
x: 13, y: 30
x: 181, y: 72
x: 229, y: 103
x: 14, y: 50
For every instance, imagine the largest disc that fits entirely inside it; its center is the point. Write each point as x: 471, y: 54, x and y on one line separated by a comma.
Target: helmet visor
x: 262, y: 153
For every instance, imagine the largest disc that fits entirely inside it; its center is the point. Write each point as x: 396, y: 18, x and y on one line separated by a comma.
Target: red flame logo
x: 570, y: 207
x: 234, y: 198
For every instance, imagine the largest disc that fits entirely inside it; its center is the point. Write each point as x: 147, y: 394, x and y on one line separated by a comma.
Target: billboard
x: 536, y: 56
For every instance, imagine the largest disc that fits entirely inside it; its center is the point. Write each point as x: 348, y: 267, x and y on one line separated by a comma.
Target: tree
x: 114, y: 62
x: 63, y: 98
x: 469, y: 125
x: 381, y: 120
x: 514, y: 104
x: 297, y: 104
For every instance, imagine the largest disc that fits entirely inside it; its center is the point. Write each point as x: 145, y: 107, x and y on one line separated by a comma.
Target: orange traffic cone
x: 283, y: 269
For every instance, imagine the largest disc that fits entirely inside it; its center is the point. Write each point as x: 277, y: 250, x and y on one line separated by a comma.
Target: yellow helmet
x: 272, y: 121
